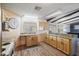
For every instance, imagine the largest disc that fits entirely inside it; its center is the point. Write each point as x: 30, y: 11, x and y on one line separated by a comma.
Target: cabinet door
x: 22, y: 39
x: 45, y: 40
x: 67, y: 46
x: 17, y: 43
x: 34, y: 40
x: 51, y: 41
x: 48, y: 40
x: 60, y: 43
x: 29, y: 41
x: 54, y: 41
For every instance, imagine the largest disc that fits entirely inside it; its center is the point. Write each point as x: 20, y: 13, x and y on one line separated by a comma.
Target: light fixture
x: 58, y: 12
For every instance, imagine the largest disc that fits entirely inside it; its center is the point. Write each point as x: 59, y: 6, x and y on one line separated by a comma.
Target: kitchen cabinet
x: 34, y: 40
x: 29, y: 41
x: 42, y: 37
x: 48, y: 39
x: 26, y: 41
x: 22, y: 40
x: 54, y: 41
x: 17, y: 43
x: 67, y: 45
x: 51, y: 40
x: 61, y: 43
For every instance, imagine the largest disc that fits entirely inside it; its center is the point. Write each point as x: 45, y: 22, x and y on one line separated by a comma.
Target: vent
x: 38, y: 8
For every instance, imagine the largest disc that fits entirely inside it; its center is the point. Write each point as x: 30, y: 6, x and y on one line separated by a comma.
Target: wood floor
x: 41, y: 50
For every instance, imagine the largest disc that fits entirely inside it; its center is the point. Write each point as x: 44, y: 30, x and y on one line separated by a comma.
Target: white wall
x: 12, y: 34
x: 0, y: 29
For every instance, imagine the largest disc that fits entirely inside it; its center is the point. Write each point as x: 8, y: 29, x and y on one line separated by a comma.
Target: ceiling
x: 46, y: 8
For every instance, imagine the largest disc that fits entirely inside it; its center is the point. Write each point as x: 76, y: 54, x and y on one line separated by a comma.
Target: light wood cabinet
x: 17, y: 43
x: 51, y: 40
x: 26, y: 41
x: 67, y: 45
x: 48, y: 39
x: 22, y: 40
x: 29, y: 41
x: 54, y: 41
x: 61, y: 43
x: 34, y: 40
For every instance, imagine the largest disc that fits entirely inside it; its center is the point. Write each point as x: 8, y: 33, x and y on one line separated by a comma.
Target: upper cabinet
x: 43, y: 25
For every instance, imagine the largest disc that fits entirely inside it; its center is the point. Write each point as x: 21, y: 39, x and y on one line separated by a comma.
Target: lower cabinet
x: 54, y: 41
x: 26, y: 41
x: 67, y: 46
x: 34, y: 40
x: 61, y: 43
x: 29, y: 41
x: 22, y: 40
x: 17, y: 43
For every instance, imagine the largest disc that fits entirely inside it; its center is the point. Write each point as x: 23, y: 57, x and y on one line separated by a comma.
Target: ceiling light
x: 54, y: 14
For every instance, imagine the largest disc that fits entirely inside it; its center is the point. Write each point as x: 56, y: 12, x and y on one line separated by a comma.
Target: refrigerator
x: 74, y: 30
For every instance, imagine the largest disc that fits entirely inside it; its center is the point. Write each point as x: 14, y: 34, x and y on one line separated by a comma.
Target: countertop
x: 39, y: 32
x: 68, y: 36
x: 24, y: 34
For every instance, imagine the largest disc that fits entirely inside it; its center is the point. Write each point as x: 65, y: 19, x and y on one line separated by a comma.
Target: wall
x: 0, y: 29
x: 12, y: 34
